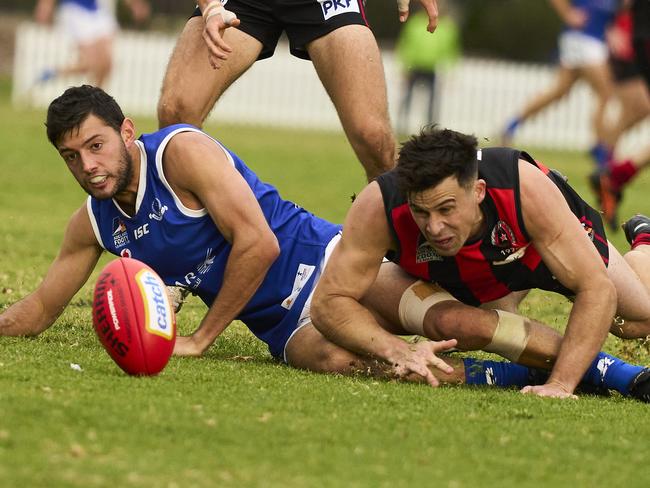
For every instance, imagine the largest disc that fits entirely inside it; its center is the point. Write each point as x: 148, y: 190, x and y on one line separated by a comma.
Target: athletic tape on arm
x: 403, y: 5
x: 216, y: 8
x: 510, y: 337
x: 416, y: 300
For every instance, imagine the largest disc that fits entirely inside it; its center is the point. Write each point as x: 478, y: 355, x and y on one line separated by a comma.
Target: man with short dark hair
x: 482, y: 227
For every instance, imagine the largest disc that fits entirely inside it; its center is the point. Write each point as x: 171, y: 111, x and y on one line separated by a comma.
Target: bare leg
x: 631, y: 276
x: 94, y: 60
x: 635, y: 106
x: 599, y: 78
x: 191, y: 87
x: 348, y: 63
x: 565, y: 79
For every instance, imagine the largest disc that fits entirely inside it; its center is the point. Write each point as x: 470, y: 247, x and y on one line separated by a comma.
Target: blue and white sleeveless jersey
x: 85, y: 4
x: 185, y: 247
x: 600, y: 14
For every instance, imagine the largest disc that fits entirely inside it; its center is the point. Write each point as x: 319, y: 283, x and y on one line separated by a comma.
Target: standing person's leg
x: 432, y: 106
x: 97, y: 60
x: 94, y: 59
x: 405, y: 106
x: 635, y: 106
x: 599, y: 78
x: 642, y: 57
x: 349, y: 65
x: 565, y: 79
x: 191, y: 86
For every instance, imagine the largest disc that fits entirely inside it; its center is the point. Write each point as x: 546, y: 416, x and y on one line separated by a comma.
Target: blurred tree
x: 523, y: 30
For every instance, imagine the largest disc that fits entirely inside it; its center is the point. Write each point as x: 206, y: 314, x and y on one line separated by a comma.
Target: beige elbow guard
x: 510, y: 337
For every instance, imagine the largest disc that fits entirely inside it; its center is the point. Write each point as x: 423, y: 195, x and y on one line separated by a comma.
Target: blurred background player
x: 629, y: 86
x: 92, y: 25
x: 334, y: 35
x: 421, y: 55
x: 613, y: 178
x: 583, y: 55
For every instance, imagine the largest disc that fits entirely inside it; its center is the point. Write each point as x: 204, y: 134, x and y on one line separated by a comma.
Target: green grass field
x: 236, y: 418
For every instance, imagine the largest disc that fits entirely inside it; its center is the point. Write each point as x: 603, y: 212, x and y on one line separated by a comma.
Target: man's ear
x: 127, y: 131
x: 479, y: 190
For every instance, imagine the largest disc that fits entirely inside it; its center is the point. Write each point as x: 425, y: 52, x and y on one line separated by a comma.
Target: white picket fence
x: 475, y: 96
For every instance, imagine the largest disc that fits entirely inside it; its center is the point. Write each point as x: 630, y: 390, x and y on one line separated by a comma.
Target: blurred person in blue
x: 583, y: 55
x: 421, y: 56
x: 191, y: 209
x: 92, y: 25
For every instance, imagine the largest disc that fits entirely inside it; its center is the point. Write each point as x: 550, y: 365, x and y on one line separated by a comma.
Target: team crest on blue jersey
x: 157, y: 210
x: 125, y: 253
x: 502, y: 235
x: 120, y: 235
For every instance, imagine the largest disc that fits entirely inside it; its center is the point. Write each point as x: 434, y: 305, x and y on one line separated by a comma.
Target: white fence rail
x: 476, y: 96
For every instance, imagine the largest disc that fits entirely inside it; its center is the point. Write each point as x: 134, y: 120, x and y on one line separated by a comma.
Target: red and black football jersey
x: 502, y: 259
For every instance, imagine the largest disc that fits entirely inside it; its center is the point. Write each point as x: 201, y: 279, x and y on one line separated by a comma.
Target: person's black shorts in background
x: 302, y: 20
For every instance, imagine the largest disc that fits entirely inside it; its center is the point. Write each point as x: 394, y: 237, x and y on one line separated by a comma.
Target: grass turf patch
x: 235, y: 417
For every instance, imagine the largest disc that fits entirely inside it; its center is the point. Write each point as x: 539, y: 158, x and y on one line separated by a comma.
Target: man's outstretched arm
x: 69, y: 271
x: 203, y: 177
x: 351, y: 270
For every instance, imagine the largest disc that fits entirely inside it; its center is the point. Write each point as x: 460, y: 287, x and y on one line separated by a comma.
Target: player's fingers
x: 403, y: 9
x: 213, y: 50
x: 442, y: 346
x: 216, y: 45
x: 430, y: 377
x: 440, y: 364
x: 431, y: 7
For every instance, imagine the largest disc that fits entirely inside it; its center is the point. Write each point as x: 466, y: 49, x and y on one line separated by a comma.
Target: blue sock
x: 512, y: 127
x: 601, y: 155
x: 498, y: 373
x: 46, y: 75
x: 611, y: 373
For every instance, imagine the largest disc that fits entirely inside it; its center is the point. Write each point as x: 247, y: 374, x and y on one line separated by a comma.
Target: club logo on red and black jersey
x: 426, y: 253
x: 588, y: 228
x: 503, y: 236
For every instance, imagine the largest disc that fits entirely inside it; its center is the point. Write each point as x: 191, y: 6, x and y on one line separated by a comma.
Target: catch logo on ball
x: 158, y: 313
x: 133, y: 317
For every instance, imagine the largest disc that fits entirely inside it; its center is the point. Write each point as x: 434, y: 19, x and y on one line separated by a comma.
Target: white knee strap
x: 416, y: 300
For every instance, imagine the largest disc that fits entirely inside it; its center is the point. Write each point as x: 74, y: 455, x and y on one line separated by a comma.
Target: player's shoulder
x: 80, y: 228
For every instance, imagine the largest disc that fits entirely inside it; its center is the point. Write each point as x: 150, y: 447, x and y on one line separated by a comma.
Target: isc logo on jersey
x: 158, y: 312
x: 336, y: 7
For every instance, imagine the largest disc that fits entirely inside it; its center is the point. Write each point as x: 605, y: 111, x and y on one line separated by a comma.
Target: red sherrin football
x: 133, y: 317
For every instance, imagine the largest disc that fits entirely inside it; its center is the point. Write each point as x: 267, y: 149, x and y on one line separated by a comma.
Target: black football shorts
x: 302, y: 20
